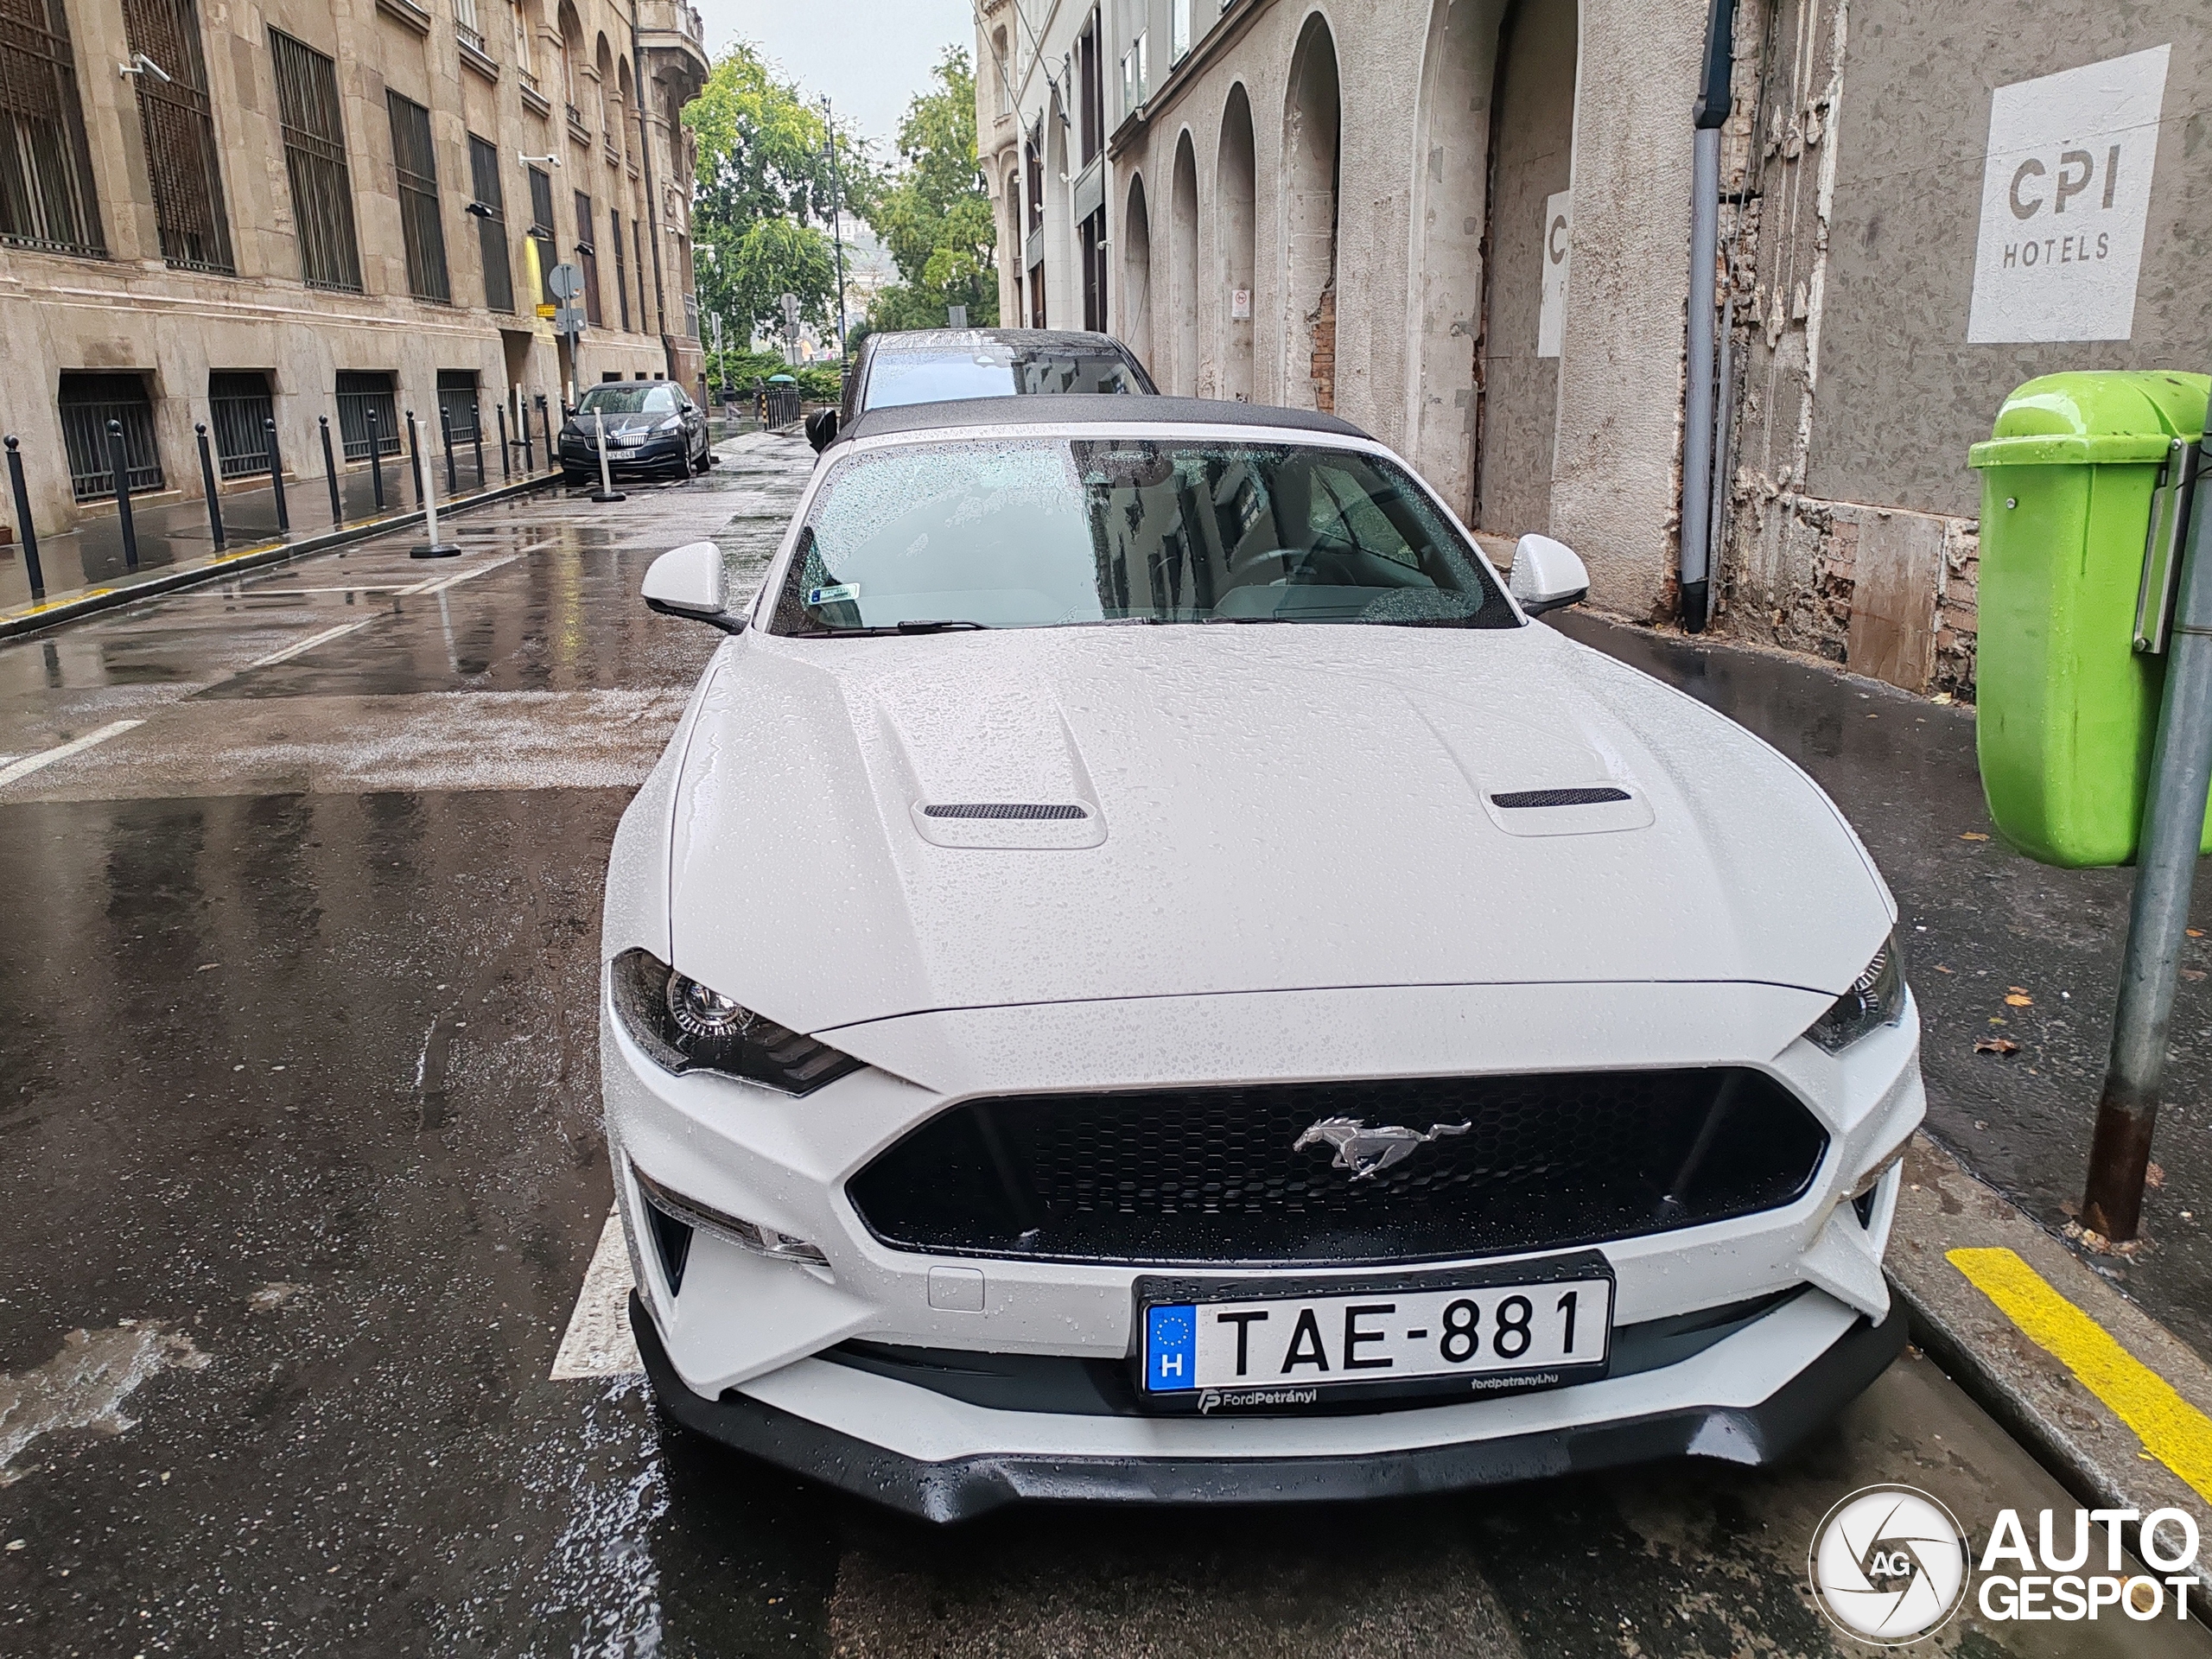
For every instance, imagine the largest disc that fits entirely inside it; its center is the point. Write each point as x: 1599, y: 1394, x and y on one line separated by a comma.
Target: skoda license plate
x: 1453, y: 1339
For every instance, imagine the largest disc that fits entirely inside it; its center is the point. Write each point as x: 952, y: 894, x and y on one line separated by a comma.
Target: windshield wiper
x: 909, y: 626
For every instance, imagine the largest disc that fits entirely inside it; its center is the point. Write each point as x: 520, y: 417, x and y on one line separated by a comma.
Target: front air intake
x: 1559, y: 796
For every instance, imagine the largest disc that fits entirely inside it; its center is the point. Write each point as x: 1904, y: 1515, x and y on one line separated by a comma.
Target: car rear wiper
x: 909, y: 626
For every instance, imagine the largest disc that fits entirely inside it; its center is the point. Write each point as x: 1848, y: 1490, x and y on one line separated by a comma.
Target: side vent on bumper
x: 673, y: 1242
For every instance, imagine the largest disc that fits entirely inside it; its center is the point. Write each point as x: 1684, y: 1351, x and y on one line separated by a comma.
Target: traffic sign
x: 565, y: 282
x: 569, y: 319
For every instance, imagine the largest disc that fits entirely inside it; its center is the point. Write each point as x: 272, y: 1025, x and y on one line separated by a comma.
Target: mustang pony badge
x: 1364, y: 1151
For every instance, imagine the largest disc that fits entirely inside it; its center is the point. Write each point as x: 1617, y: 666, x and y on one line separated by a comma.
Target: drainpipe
x: 652, y: 201
x: 1708, y: 116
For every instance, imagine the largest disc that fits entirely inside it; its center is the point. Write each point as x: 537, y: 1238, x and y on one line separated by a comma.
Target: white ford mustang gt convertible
x: 1144, y: 976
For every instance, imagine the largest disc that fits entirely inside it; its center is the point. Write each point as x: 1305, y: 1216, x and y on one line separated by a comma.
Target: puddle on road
x: 85, y: 1385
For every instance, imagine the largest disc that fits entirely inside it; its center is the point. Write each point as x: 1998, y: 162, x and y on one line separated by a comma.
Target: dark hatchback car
x: 653, y: 426
x: 938, y: 365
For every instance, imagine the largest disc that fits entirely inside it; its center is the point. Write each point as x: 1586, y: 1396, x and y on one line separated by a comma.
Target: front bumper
x: 580, y: 455
x: 959, y: 1488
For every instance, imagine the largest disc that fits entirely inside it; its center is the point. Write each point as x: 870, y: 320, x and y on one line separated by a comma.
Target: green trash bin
x: 2077, y: 469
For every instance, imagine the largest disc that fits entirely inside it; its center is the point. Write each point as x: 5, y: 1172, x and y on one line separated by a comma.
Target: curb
x: 2064, y: 1414
x: 38, y: 618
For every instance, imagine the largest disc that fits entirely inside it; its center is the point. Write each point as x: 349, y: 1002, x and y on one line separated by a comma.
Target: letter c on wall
x: 2029, y: 169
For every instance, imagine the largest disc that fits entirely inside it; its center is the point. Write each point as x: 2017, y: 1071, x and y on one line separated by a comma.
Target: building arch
x: 1181, y: 319
x: 1237, y: 249
x: 1133, y: 319
x: 1450, y: 189
x: 1312, y: 128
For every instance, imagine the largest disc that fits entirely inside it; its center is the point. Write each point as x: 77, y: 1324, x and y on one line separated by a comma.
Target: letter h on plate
x: 1170, y: 1348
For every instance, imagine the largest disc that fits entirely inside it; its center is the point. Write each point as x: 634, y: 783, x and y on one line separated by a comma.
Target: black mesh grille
x: 1198, y: 1176
x: 1559, y: 796
x: 1000, y: 810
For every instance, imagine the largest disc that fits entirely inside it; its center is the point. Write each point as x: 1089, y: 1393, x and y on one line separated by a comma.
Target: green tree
x: 762, y: 202
x: 933, y: 212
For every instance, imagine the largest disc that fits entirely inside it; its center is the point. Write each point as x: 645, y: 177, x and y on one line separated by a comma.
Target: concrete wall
x: 130, y: 311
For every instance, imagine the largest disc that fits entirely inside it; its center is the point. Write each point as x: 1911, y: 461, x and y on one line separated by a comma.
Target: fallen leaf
x: 2154, y: 1176
x: 1996, y: 1045
x: 1998, y: 1019
x: 2194, y: 933
x: 2019, y: 999
x: 2192, y: 973
x: 1941, y: 698
x: 1941, y: 968
x: 1972, y: 836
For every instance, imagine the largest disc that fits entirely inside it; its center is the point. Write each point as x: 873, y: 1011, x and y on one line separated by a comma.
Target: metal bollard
x: 433, y: 548
x: 606, y: 492
x: 476, y: 437
x: 445, y: 429
x: 119, y: 468
x: 330, y: 471
x: 415, y: 456
x: 545, y: 415
x: 506, y: 461
x: 528, y: 449
x: 23, y: 525
x: 207, y: 484
x: 276, y: 477
x: 376, y: 461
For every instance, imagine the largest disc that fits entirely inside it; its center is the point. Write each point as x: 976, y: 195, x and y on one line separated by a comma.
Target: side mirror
x: 1547, y: 574
x: 687, y: 581
x: 821, y: 426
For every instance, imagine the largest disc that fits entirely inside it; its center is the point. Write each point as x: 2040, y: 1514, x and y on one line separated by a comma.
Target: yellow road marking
x: 2172, y: 1430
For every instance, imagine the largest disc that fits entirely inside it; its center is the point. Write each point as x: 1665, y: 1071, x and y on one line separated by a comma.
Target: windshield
x: 628, y: 399
x: 1047, y: 533
x: 994, y: 370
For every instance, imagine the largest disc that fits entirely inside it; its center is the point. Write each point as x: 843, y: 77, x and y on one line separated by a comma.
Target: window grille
x: 359, y: 391
x: 587, y: 257
x: 489, y: 209
x: 621, y: 267
x: 88, y: 402
x: 415, y: 160
x: 47, y: 199
x: 541, y: 230
x: 178, y: 123
x: 457, y: 396
x: 239, y: 405
x: 314, y: 161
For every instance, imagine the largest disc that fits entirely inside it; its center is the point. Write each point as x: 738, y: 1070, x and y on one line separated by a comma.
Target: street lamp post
x: 836, y: 225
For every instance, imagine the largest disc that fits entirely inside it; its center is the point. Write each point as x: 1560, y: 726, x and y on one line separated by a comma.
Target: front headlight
x: 686, y: 1026
x: 1876, y: 999
x: 669, y: 424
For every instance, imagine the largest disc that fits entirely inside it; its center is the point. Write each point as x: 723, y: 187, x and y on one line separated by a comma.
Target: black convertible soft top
x: 1088, y: 408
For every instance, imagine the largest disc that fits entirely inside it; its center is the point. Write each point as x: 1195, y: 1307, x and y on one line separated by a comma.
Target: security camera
x: 140, y: 64
x: 539, y: 161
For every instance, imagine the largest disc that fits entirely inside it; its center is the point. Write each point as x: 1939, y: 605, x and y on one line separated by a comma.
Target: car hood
x: 1233, y: 810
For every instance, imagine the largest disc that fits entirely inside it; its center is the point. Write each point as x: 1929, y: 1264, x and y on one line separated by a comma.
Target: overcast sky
x: 869, y: 56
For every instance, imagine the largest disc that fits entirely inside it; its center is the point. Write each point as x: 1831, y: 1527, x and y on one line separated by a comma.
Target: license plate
x: 1265, y: 1351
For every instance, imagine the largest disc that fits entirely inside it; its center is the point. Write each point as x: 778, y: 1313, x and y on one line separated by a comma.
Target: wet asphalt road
x: 300, y: 1172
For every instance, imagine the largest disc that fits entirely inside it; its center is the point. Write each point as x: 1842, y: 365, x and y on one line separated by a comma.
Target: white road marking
x: 31, y: 763
x: 308, y: 644
x: 598, y: 1342
x: 439, y: 584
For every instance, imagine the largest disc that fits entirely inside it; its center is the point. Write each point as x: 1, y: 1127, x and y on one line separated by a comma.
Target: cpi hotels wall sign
x: 2065, y: 193
x: 1551, y: 309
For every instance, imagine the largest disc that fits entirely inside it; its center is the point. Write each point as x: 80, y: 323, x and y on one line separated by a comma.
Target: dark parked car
x: 936, y: 366
x: 653, y: 426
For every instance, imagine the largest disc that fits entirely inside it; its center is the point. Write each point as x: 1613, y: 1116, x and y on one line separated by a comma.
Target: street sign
x: 789, y: 305
x: 565, y: 281
x: 569, y: 319
x: 955, y: 316
x: 549, y: 312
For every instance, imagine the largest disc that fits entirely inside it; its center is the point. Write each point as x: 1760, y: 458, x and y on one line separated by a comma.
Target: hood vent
x: 1559, y: 798
x: 1028, y: 813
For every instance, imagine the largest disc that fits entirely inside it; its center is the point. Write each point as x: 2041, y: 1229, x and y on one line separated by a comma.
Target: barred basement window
x: 541, y: 230
x: 587, y: 257
x: 315, y: 160
x: 416, y: 162
x: 238, y: 404
x: 360, y: 391
x: 457, y: 402
x: 88, y: 402
x: 489, y: 210
x: 178, y: 123
x: 46, y: 169
x: 621, y: 267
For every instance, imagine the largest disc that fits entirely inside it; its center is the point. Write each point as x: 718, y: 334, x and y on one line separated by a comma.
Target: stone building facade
x: 1464, y: 224
x: 227, y: 211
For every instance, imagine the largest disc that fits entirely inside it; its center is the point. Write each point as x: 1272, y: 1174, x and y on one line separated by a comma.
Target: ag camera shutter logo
x: 1889, y: 1565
